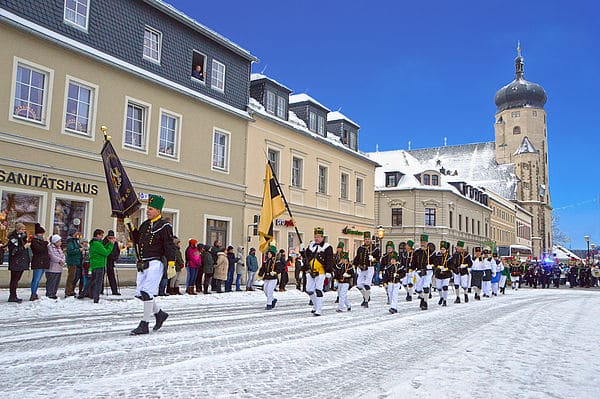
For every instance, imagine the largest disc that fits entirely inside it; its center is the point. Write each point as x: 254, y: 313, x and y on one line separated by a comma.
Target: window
x: 31, y: 93
x: 515, y: 114
x: 216, y: 230
x: 198, y: 66
x: 426, y: 180
x: 168, y: 135
x: 296, y: 172
x: 516, y: 130
x: 478, y: 227
x: 322, y: 188
x: 473, y: 226
x: 69, y: 214
x: 344, y: 186
x: 78, y: 115
x: 270, y: 102
x: 459, y: 222
x: 321, y: 125
x: 429, y: 216
x: 534, y: 113
x: 434, y: 180
x: 396, y: 216
x: 312, y: 121
x: 274, y: 159
x: 152, y: 44
x: 220, y: 156
x: 359, y: 190
x: 344, y: 136
x: 391, y: 179
x: 26, y: 207
x: 467, y: 224
x: 353, y: 143
x: 77, y: 13
x: 135, y: 125
x: 218, y: 76
x: 450, y: 219
x: 281, y: 105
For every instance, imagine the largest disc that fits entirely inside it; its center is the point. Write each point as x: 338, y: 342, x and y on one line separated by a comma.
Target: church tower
x: 521, y: 139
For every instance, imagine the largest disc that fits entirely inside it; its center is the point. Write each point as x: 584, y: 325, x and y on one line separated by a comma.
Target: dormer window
x: 321, y: 125
x: 281, y: 107
x: 426, y: 180
x: 392, y: 179
x: 312, y: 121
x: 270, y: 103
x: 435, y: 180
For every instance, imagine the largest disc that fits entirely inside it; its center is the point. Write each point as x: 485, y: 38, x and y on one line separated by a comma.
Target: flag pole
x: 284, y: 200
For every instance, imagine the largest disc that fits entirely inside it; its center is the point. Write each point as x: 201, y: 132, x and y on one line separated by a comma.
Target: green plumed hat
x: 318, y: 231
x: 444, y: 244
x: 460, y: 244
x: 345, y: 255
x: 393, y: 255
x: 367, y: 234
x: 156, y: 201
x: 410, y: 243
x: 340, y: 244
x: 272, y: 249
x: 424, y: 238
x: 390, y: 244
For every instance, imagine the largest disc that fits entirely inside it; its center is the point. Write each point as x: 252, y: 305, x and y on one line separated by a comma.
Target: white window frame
x: 146, y: 128
x: 159, y: 36
x: 320, y: 125
x: 301, y: 172
x: 271, y: 102
x: 227, y: 154
x: 326, y: 181
x: 179, y: 122
x: 203, y: 67
x: 312, y: 121
x: 227, y: 219
x: 88, y: 210
x: 281, y: 103
x: 73, y: 23
x: 47, y: 97
x: 91, y: 134
x: 276, y: 165
x: 214, y: 78
x: 344, y: 195
x: 43, y: 200
x: 362, y: 190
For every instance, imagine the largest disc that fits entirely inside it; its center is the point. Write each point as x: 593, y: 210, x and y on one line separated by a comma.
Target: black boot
x: 440, y: 301
x: 160, y: 319
x: 469, y: 290
x: 444, y: 303
x: 141, y: 329
x: 423, y: 304
x: 337, y: 300
x: 477, y: 297
x: 466, y: 298
x: 15, y: 299
x: 408, y: 298
x: 457, y: 300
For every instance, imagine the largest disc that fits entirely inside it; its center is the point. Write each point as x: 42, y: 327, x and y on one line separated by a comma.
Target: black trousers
x: 15, y: 276
x: 110, y: 273
x: 96, y: 283
x: 283, y: 280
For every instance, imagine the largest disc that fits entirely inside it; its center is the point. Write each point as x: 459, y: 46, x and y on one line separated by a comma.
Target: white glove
x: 463, y: 266
x: 328, y: 275
x: 493, y: 274
x: 272, y: 273
x: 429, y: 267
x: 395, y: 274
x: 371, y: 258
x: 301, y: 274
x: 345, y: 275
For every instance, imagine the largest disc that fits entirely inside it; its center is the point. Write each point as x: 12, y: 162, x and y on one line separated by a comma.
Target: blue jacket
x: 251, y: 263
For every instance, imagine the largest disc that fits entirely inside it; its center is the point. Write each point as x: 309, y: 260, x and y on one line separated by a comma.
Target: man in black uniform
x: 156, y: 250
x: 461, y: 262
x: 441, y: 261
x: 422, y: 265
x: 367, y: 255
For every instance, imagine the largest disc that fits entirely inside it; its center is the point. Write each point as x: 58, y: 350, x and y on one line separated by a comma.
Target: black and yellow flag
x: 272, y: 207
x: 123, y: 199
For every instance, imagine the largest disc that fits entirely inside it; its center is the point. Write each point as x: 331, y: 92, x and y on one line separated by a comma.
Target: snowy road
x: 526, y: 344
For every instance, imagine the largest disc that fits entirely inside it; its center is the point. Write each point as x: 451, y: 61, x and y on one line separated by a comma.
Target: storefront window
x: 69, y: 214
x: 20, y: 207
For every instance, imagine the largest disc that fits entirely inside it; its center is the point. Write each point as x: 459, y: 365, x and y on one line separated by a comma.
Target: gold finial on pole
x: 104, y: 129
x: 519, y: 48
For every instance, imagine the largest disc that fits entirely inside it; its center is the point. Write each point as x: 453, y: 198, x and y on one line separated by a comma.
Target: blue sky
x: 422, y: 71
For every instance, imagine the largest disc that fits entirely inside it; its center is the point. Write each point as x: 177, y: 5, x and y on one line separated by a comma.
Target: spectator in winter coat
x: 281, y: 269
x: 111, y: 261
x: 73, y: 260
x: 252, y: 267
x: 81, y: 276
x: 179, y: 265
x: 220, y: 274
x: 193, y: 259
x: 40, y: 260
x: 57, y: 262
x: 230, y: 268
x: 18, y: 259
x: 209, y: 267
x: 239, y: 267
x: 99, y: 252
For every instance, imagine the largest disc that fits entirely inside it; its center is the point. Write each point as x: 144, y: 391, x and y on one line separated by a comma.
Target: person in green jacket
x: 98, y: 254
x: 73, y: 260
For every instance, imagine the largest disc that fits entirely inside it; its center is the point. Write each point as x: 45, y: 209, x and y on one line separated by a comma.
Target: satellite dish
x: 76, y: 221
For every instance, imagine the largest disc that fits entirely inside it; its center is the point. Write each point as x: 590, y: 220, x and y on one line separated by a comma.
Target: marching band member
x: 442, y: 262
x: 344, y: 274
x: 366, y: 257
x: 393, y: 274
x: 406, y: 257
x: 477, y: 272
x: 497, y: 276
x: 269, y: 276
x: 320, y: 262
x: 489, y: 271
x: 515, y: 273
x: 424, y: 269
x: 461, y: 263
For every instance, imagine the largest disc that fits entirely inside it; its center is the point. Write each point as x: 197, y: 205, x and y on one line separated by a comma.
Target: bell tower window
x: 516, y: 130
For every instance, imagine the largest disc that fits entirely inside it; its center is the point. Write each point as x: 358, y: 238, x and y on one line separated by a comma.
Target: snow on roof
x: 175, y: 13
x: 563, y: 253
x: 474, y: 163
x: 296, y: 123
x: 336, y: 116
x: 526, y: 147
x: 258, y: 76
x: 302, y: 97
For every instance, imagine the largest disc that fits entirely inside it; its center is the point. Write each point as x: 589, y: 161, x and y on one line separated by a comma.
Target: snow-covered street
x: 525, y: 344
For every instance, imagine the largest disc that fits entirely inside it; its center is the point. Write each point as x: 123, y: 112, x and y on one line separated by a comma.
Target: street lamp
x: 587, y: 240
x: 593, y: 246
x: 380, y: 234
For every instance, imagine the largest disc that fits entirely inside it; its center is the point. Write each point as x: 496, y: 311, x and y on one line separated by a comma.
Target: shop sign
x: 347, y: 230
x: 44, y: 181
x: 283, y: 222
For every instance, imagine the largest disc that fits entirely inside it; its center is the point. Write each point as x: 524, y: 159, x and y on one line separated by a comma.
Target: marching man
x: 366, y: 257
x: 442, y: 261
x: 344, y: 274
x: 461, y: 262
x: 498, y: 267
x: 424, y: 269
x: 393, y: 275
x: 477, y: 272
x: 489, y: 271
x: 406, y: 257
x: 269, y: 276
x: 155, y: 246
x: 515, y: 273
x: 319, y: 255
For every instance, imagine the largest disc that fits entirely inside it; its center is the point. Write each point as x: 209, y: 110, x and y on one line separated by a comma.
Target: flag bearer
x: 269, y: 276
x: 319, y: 255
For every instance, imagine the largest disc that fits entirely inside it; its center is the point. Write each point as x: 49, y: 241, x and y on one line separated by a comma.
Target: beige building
x: 178, y: 136
x: 412, y: 198
x: 325, y: 180
x: 521, y: 139
x: 510, y: 223
x: 523, y: 220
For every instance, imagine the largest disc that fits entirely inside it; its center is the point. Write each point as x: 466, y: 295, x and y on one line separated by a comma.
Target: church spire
x: 519, y: 64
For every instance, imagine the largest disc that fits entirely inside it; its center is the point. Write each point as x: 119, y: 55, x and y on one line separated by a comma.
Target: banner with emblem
x: 273, y: 205
x: 123, y: 199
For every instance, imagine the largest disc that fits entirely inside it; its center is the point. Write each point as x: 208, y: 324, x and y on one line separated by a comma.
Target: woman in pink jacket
x: 57, y: 261
x: 192, y: 262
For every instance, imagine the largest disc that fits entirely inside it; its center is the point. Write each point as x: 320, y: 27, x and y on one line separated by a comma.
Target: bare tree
x: 559, y: 237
